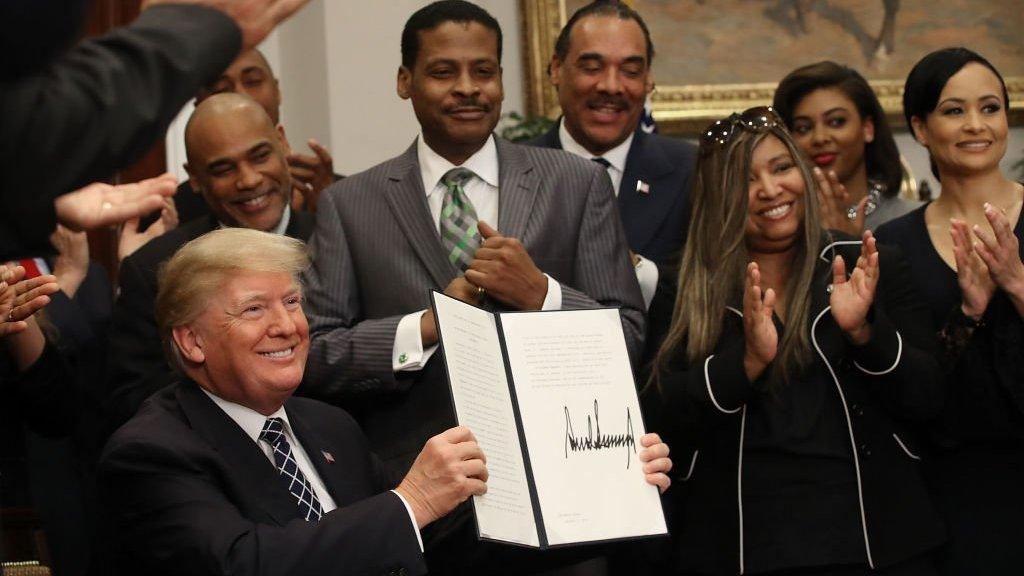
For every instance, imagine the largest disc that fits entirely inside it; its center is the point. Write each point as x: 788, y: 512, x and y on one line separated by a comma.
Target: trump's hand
x: 503, y: 268
x: 656, y: 462
x: 450, y: 468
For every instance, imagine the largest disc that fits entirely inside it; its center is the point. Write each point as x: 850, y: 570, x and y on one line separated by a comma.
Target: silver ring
x: 851, y: 213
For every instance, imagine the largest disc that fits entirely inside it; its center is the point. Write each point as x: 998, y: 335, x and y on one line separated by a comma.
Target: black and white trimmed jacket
x: 884, y: 387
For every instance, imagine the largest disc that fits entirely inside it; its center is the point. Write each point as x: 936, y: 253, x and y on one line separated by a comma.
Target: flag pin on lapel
x: 327, y: 456
x: 643, y: 187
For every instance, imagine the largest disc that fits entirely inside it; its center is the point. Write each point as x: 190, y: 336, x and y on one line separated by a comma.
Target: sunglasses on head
x: 757, y: 119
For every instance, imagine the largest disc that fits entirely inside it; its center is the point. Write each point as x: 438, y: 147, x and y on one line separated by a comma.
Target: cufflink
x: 402, y: 358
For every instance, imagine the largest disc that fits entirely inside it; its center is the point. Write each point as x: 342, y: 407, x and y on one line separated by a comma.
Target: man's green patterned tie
x: 459, y: 234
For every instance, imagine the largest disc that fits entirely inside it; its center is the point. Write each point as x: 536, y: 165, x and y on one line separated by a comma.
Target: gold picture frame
x: 683, y: 110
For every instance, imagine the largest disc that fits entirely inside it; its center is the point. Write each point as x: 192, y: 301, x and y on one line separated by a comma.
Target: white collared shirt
x: 408, y: 353
x: 282, y: 225
x: 252, y: 422
x: 616, y: 157
x: 646, y: 271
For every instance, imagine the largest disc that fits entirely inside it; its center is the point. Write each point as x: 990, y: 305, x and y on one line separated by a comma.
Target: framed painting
x: 714, y: 57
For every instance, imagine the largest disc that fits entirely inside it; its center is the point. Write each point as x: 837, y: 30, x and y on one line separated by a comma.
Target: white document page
x: 476, y: 372
x: 582, y: 423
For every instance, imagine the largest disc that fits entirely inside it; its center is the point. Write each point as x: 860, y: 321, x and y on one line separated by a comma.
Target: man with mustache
x: 602, y: 71
x: 499, y: 225
x: 237, y: 162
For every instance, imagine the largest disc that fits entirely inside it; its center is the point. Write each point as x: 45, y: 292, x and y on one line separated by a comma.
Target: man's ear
x: 404, y: 84
x: 869, y: 130
x: 555, y: 71
x: 920, y: 130
x: 193, y: 179
x: 283, y: 138
x: 189, y: 343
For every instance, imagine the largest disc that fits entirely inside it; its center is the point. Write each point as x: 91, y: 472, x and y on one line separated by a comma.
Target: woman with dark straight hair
x: 965, y: 254
x: 793, y: 361
x: 838, y: 122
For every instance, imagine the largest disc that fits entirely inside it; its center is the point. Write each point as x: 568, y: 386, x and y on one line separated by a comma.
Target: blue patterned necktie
x: 288, y: 470
x: 459, y: 234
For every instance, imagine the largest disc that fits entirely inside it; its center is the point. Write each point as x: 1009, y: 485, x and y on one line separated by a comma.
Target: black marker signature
x: 594, y: 440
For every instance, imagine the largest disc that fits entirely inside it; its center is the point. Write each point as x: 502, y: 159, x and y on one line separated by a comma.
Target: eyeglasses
x: 757, y: 119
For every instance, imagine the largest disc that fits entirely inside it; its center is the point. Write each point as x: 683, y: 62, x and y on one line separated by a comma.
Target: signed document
x: 551, y: 399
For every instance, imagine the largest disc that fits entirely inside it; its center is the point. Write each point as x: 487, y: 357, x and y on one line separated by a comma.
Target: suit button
x: 864, y: 450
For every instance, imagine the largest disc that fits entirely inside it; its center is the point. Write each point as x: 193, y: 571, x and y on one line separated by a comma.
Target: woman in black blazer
x: 791, y: 379
x: 965, y: 253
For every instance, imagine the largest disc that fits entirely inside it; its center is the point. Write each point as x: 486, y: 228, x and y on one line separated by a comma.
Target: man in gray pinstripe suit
x: 549, y: 237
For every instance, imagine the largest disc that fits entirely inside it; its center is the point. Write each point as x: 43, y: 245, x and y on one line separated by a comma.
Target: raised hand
x: 503, y: 268
x: 131, y: 239
x: 762, y: 340
x: 311, y: 173
x: 834, y: 200
x: 851, y: 298
x: 100, y: 204
x: 976, y: 285
x: 450, y: 468
x: 657, y: 464
x: 256, y: 18
x: 1000, y: 252
x: 72, y: 263
x: 20, y: 298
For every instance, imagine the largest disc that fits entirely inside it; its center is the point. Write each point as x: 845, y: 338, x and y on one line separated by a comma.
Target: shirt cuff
x: 553, y: 299
x: 408, y: 354
x: 412, y: 518
x: 647, y: 276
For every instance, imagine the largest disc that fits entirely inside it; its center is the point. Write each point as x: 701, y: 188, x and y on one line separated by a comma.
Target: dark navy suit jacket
x: 656, y: 220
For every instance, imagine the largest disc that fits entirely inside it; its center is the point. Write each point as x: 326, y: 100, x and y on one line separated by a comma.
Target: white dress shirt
x: 252, y: 422
x: 408, y: 353
x: 646, y: 271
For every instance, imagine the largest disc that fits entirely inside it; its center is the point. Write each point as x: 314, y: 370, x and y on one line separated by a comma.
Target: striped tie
x: 459, y: 235
x: 288, y: 469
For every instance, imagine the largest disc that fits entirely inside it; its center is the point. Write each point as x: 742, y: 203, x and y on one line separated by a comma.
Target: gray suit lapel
x: 408, y: 202
x: 517, y: 189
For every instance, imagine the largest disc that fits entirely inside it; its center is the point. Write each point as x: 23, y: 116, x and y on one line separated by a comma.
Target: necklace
x: 875, y: 191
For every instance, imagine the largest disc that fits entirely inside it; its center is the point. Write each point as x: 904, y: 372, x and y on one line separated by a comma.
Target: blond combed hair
x: 191, y: 277
x: 715, y: 258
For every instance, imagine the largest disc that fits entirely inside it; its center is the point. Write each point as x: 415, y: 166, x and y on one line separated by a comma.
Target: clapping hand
x: 311, y: 173
x: 852, y: 297
x: 131, y: 239
x: 976, y: 285
x: 762, y: 340
x: 833, y: 200
x: 20, y: 298
x: 1000, y: 251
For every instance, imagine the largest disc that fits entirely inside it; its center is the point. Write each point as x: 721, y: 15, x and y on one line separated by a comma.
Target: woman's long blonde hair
x: 715, y: 258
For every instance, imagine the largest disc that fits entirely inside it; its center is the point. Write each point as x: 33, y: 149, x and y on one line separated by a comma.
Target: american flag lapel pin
x: 327, y: 456
x: 643, y: 187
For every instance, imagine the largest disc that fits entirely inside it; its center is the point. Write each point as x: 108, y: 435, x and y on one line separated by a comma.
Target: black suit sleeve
x: 97, y: 108
x: 137, y: 367
x: 172, y: 510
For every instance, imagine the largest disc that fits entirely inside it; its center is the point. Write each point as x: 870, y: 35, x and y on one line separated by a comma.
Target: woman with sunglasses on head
x: 838, y: 122
x: 964, y: 249
x: 793, y: 360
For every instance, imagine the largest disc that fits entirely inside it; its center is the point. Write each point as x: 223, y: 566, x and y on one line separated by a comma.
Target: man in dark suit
x: 549, y: 237
x: 602, y: 71
x: 250, y: 74
x: 236, y: 159
x: 76, y: 118
x: 224, y: 473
